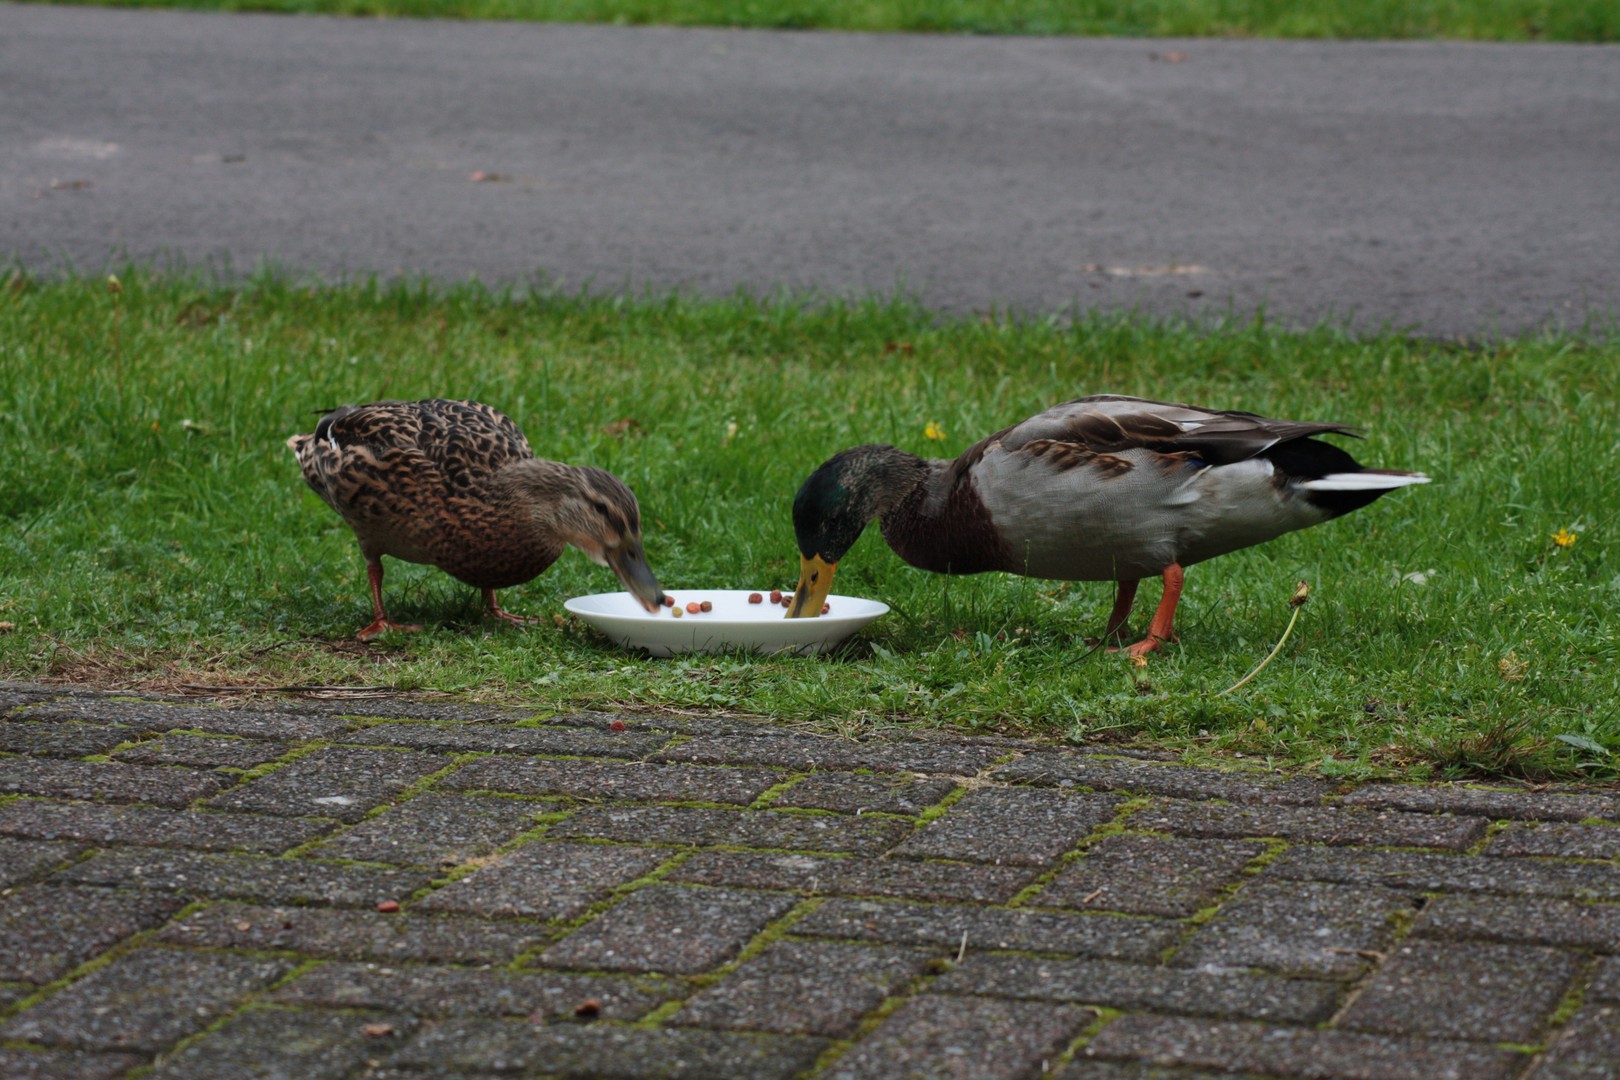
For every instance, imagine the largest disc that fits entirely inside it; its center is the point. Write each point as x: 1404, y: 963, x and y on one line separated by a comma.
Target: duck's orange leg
x: 1124, y: 600
x: 1162, y: 628
x: 379, y: 620
x: 495, y: 609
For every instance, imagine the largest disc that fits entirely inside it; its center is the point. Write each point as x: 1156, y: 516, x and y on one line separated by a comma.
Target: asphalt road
x: 1452, y: 189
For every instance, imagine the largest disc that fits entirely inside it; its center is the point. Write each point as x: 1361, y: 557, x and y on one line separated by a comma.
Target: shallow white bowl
x: 733, y: 624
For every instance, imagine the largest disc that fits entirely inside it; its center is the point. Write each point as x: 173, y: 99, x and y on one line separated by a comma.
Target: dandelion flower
x: 934, y: 431
x: 1564, y: 538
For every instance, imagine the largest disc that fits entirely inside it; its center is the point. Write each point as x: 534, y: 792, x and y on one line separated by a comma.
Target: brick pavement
x: 372, y: 889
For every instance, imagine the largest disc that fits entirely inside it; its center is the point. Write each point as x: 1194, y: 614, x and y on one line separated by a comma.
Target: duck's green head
x: 835, y: 504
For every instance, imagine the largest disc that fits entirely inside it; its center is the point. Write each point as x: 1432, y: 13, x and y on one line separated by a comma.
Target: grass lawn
x: 1480, y: 20
x: 156, y: 532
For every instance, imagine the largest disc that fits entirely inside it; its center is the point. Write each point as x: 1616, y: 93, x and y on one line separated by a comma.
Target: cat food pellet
x: 707, y: 605
x: 693, y: 607
x: 669, y: 601
x: 776, y: 596
x: 677, y: 612
x: 388, y: 906
x: 826, y: 608
x: 755, y: 598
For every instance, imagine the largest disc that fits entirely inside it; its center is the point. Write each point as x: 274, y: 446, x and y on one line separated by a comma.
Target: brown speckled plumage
x: 455, y: 484
x: 1104, y: 488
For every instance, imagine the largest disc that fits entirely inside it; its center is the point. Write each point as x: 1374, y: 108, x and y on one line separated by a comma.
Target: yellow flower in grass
x: 1564, y: 538
x: 934, y: 431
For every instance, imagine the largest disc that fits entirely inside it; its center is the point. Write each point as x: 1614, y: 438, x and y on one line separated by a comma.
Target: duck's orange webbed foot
x: 381, y: 624
x: 1148, y: 644
x: 494, y: 609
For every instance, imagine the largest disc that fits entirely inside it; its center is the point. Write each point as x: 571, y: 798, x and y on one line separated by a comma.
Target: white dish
x: 733, y: 624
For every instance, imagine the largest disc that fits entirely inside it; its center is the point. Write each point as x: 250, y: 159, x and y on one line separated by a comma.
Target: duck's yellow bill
x: 815, y: 582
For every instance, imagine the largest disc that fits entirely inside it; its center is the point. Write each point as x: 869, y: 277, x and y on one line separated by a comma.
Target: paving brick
x: 604, y: 1050
x: 1307, y: 1052
x: 145, y: 1000
x: 205, y: 751
x: 1311, y: 824
x: 1066, y: 769
x: 46, y: 738
x: 805, y: 988
x: 1587, y: 1049
x: 667, y: 724
x: 1118, y: 985
x: 677, y: 929
x: 354, y: 935
x: 280, y: 1043
x: 48, y: 930
x: 1464, y: 990
x: 1308, y: 928
x: 339, y: 782
x: 809, y: 752
x: 1557, y: 840
x: 855, y: 876
x: 249, y: 877
x: 145, y: 826
x: 13, y: 694
x: 394, y: 707
x: 1083, y: 1069
x: 150, y: 716
x: 545, y: 880
x: 967, y: 1038
x: 861, y: 793
x: 944, y: 926
x: 436, y: 830
x: 1532, y: 921
x: 759, y: 829
x: 486, y: 738
x: 107, y: 781
x: 63, y: 1065
x: 1011, y: 826
x: 452, y: 991
x: 627, y: 780
x: 21, y: 860
x: 1606, y: 982
x: 1421, y: 871
x: 1149, y: 875
x: 1487, y: 802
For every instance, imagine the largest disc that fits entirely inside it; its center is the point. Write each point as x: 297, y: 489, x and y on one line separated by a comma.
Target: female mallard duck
x: 454, y: 484
x: 1104, y: 488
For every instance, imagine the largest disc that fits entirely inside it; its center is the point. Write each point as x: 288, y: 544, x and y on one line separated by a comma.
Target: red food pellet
x: 389, y: 906
x: 776, y: 596
x: 755, y: 598
x: 669, y: 601
x: 826, y: 608
x: 707, y: 605
x: 693, y: 607
x: 617, y: 725
x: 787, y: 601
x: 588, y: 1008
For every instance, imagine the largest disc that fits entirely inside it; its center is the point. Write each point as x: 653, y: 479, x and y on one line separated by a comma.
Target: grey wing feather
x: 1112, y: 424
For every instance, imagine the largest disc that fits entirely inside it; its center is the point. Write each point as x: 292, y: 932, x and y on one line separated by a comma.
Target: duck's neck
x: 939, y: 523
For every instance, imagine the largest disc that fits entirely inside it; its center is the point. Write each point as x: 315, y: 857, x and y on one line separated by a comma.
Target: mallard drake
x: 454, y: 484
x: 1104, y: 488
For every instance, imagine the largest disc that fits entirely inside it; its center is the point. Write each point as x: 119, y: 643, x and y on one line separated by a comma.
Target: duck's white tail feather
x: 1370, y: 480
